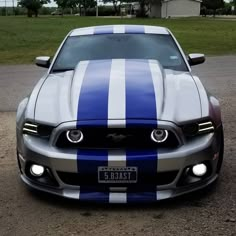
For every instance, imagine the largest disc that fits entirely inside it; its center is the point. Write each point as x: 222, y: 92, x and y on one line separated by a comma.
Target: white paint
x: 117, y: 197
x: 77, y: 84
x: 83, y: 31
x: 118, y: 29
x: 116, y: 158
x: 155, y: 30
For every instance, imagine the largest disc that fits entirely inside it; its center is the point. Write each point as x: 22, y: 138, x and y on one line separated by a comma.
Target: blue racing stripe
x: 140, y: 95
x: 142, y: 197
x: 103, y: 30
x: 93, y: 105
x: 88, y: 162
x: 146, y: 162
x: 93, y: 196
x: 134, y: 29
x: 141, y: 104
x: 93, y: 100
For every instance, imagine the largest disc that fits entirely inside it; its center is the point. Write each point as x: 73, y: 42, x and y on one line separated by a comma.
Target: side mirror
x: 196, y: 59
x: 43, y: 61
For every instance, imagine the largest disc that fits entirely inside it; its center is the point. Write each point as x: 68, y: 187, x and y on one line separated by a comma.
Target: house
x: 175, y: 8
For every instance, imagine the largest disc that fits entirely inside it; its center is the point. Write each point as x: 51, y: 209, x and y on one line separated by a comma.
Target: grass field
x: 22, y: 38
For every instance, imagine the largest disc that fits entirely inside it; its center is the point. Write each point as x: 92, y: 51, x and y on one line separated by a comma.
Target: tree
x: 85, y: 4
x: 145, y: 6
x: 116, y: 5
x: 81, y: 4
x: 233, y: 2
x: 213, y: 5
x: 32, y: 6
x: 62, y: 4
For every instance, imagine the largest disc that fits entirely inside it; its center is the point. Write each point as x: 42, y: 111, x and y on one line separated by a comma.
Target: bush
x: 102, y: 11
x: 46, y: 10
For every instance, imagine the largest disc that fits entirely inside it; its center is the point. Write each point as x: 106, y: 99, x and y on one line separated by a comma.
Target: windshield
x: 120, y: 46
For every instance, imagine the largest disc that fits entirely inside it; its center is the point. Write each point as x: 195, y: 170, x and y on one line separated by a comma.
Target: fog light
x: 159, y: 135
x: 74, y: 136
x: 36, y: 170
x: 199, y: 170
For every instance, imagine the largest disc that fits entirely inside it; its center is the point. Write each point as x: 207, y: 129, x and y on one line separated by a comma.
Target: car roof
x: 119, y: 29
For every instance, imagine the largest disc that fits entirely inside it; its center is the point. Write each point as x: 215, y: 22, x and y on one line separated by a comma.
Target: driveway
x: 16, y: 82
x: 207, y: 212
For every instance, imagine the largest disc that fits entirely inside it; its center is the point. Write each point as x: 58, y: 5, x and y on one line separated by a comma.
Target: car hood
x: 118, y: 90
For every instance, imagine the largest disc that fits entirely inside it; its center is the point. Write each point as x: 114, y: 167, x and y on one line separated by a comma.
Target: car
x: 119, y: 117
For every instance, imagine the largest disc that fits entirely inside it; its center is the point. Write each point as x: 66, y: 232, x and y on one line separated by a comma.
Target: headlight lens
x: 37, y: 129
x: 159, y: 135
x: 30, y: 128
x: 74, y: 136
x: 198, y: 128
x: 205, y: 127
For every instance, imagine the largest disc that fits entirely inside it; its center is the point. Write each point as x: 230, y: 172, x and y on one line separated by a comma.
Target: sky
x: 10, y: 3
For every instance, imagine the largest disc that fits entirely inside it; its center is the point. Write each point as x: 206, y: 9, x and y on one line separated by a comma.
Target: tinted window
x: 114, y: 46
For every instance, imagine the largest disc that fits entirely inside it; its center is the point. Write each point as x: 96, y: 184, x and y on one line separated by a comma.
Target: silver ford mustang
x: 119, y: 118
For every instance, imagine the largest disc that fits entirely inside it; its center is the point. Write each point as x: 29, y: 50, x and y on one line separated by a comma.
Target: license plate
x: 117, y: 174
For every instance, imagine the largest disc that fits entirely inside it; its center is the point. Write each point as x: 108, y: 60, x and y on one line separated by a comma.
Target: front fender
x: 20, y: 118
x: 20, y: 114
x: 215, y: 111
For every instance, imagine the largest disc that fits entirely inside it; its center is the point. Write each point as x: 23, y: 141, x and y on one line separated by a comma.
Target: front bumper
x: 119, y: 196
x: 204, y: 148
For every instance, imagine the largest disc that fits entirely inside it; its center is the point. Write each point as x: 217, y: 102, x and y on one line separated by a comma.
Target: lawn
x: 22, y: 38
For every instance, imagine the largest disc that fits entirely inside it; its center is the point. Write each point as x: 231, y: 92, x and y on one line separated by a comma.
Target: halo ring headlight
x: 74, y: 136
x: 159, y: 135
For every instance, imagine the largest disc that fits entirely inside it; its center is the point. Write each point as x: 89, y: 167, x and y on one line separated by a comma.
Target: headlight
x: 159, y: 135
x: 198, y: 128
x: 199, y: 170
x: 37, y: 129
x: 36, y: 170
x: 30, y: 128
x: 205, y: 127
x: 74, y: 136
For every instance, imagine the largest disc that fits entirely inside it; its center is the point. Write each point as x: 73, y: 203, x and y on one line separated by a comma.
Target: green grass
x: 22, y: 38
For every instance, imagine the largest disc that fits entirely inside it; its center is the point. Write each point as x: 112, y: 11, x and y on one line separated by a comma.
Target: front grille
x: 117, y: 138
x: 77, y: 179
